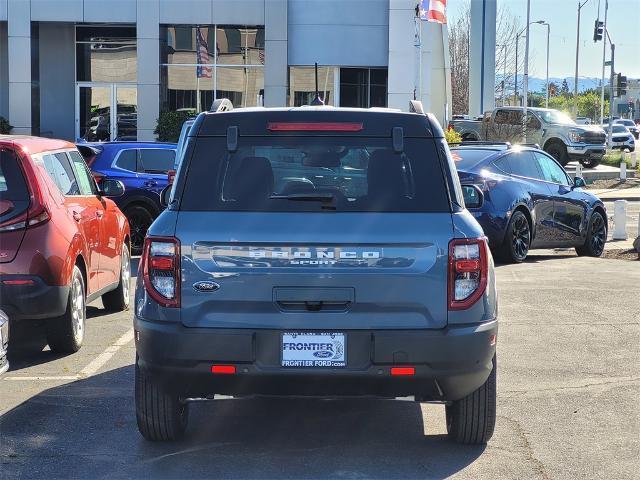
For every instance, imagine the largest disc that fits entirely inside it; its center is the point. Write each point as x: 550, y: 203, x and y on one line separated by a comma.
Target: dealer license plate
x: 314, y: 349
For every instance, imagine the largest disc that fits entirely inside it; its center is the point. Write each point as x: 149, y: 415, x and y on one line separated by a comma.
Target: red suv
x: 63, y: 243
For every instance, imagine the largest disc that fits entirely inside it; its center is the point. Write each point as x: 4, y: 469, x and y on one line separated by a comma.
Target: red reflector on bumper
x: 18, y: 282
x: 223, y: 369
x: 403, y: 370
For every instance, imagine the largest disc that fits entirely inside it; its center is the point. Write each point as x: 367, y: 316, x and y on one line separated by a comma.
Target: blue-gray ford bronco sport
x: 316, y: 251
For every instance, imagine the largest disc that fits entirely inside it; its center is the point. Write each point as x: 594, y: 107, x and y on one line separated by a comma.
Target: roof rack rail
x: 482, y: 142
x: 221, y: 105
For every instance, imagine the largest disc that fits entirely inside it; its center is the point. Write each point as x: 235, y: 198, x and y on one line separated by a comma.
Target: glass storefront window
x: 200, y: 64
x: 363, y: 87
x: 302, y: 85
x: 106, y: 54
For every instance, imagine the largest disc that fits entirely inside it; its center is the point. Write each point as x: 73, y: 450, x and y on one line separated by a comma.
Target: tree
x: 564, y: 90
x: 459, y: 55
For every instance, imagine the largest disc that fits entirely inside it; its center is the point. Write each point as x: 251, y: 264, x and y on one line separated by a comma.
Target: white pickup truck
x: 554, y: 131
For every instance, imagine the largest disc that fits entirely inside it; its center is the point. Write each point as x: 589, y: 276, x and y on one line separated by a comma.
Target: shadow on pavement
x: 87, y: 429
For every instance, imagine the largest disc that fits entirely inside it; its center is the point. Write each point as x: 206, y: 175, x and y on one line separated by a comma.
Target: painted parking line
x: 105, y: 356
x: 91, y: 369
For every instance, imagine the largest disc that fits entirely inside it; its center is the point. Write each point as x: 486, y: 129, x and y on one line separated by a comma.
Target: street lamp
x: 517, y: 41
x: 504, y: 72
x: 546, y: 97
x: 575, y: 85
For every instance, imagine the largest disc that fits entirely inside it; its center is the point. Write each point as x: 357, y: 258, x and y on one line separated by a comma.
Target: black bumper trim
x: 35, y: 301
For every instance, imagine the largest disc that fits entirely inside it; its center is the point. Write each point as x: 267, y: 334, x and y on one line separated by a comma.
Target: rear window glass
x: 315, y: 174
x: 466, y: 159
x: 157, y: 160
x: 12, y: 184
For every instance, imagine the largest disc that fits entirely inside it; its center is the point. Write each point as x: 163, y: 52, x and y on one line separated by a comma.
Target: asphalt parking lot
x: 568, y: 389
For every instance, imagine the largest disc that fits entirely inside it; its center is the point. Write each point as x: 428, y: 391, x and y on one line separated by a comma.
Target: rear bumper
x: 33, y: 301
x: 578, y: 151
x: 449, y: 363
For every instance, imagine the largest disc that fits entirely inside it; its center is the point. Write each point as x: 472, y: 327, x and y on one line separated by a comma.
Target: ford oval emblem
x: 322, y: 354
x: 206, y: 286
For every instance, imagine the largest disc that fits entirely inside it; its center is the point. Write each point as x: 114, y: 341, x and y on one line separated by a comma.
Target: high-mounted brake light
x: 161, y: 270
x: 314, y: 127
x: 468, y: 271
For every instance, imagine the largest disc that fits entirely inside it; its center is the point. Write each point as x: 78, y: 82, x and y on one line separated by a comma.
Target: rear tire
x: 66, y: 333
x: 472, y: 419
x: 558, y: 151
x: 159, y: 413
x: 118, y: 300
x: 140, y: 219
x: 517, y: 241
x: 596, y: 237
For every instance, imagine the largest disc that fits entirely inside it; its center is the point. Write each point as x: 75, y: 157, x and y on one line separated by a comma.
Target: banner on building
x: 433, y: 10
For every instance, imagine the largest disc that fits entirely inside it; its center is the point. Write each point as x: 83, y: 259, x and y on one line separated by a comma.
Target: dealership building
x: 105, y: 69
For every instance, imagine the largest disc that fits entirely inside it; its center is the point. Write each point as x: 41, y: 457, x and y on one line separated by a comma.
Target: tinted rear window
x: 157, y: 160
x: 12, y: 184
x: 286, y: 173
x: 467, y: 159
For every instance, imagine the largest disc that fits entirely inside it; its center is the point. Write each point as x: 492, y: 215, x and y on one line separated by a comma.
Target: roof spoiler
x: 221, y: 105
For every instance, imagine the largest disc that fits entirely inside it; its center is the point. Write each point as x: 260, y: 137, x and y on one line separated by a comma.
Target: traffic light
x: 598, y: 31
x: 622, y: 84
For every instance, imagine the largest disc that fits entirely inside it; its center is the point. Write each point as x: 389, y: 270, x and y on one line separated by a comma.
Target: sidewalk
x: 611, y: 194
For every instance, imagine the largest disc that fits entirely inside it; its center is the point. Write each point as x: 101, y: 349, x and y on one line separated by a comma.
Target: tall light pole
x: 518, y: 41
x: 504, y: 72
x: 546, y: 97
x: 575, y: 83
x: 604, y: 56
x: 525, y: 77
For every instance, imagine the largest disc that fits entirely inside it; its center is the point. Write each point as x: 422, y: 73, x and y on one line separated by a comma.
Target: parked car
x: 64, y: 243
x: 583, y: 121
x: 631, y: 125
x: 621, y: 138
x: 530, y: 202
x: 4, y: 342
x: 315, y: 285
x: 142, y: 167
x: 554, y: 131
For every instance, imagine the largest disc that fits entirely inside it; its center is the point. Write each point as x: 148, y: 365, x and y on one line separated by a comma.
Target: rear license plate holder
x: 313, y: 349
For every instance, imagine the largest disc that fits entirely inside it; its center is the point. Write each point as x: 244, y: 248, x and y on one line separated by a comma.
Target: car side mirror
x: 578, y: 182
x: 473, y: 196
x: 165, y: 195
x: 111, y: 188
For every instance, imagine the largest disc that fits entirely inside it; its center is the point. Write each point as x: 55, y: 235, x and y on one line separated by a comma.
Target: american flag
x: 433, y: 10
x: 202, y: 56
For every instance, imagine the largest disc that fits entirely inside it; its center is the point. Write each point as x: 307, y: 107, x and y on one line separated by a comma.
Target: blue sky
x: 623, y: 25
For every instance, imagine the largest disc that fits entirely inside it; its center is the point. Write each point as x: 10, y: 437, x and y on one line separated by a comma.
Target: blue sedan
x: 530, y: 201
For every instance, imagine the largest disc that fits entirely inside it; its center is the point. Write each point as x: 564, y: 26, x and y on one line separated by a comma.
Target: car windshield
x: 628, y: 123
x: 467, y: 159
x: 554, y: 116
x: 619, y: 129
x: 311, y: 174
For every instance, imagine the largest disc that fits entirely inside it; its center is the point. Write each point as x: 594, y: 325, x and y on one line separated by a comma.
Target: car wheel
x: 118, y: 300
x: 596, y: 237
x: 558, y: 151
x: 518, y: 239
x: 472, y: 419
x: 590, y: 162
x: 66, y: 333
x: 140, y: 219
x: 160, y: 414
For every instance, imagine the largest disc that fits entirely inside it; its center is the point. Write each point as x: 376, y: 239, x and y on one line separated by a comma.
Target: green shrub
x: 451, y: 136
x: 5, y: 128
x: 170, y: 124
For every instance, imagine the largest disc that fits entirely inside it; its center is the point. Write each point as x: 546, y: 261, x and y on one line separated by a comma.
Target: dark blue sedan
x: 142, y: 167
x: 530, y: 201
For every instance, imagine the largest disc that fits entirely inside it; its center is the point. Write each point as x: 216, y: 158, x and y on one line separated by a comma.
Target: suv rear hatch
x: 14, y: 203
x: 337, y: 232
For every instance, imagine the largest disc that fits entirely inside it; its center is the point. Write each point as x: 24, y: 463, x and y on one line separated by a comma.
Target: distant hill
x: 537, y: 84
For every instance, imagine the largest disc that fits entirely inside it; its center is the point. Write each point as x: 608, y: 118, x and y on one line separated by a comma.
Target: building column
x: 403, y: 62
x: 148, y: 74
x: 19, y: 65
x: 275, y: 53
x: 482, y: 57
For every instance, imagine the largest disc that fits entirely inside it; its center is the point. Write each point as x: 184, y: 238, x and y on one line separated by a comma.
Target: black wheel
x: 590, y: 162
x: 66, y: 333
x: 558, y: 151
x: 118, y: 300
x: 517, y: 240
x: 596, y: 237
x: 472, y: 419
x: 140, y: 219
x: 160, y: 414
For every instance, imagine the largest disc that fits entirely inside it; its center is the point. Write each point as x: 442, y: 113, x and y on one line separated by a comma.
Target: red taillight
x: 403, y: 371
x: 468, y: 271
x: 18, y: 282
x: 161, y: 270
x: 37, y: 212
x: 171, y: 176
x: 223, y: 369
x: 314, y: 127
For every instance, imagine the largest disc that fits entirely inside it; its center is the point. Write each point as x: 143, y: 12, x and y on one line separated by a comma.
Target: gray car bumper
x: 578, y: 151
